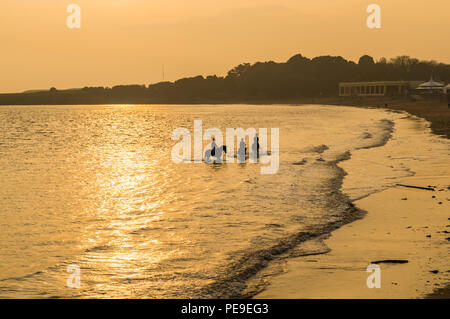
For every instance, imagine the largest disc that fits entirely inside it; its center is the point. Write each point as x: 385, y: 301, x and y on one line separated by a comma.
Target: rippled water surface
x: 95, y: 186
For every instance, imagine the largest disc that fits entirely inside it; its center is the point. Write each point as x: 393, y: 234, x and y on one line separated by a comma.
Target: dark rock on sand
x: 390, y: 261
x: 303, y: 162
x: 434, y: 271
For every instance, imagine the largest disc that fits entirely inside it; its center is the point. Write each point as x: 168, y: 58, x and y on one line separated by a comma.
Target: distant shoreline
x: 297, y: 80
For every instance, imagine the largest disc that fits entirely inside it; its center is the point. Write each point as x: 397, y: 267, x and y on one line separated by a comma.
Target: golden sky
x: 128, y: 41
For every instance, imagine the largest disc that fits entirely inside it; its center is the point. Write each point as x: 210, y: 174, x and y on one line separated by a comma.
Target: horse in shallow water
x: 216, y: 153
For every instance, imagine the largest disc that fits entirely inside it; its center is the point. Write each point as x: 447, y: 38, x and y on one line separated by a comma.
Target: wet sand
x: 436, y: 112
x: 394, y: 229
x: 400, y: 224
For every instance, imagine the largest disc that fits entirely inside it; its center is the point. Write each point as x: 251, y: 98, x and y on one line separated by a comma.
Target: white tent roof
x: 430, y: 85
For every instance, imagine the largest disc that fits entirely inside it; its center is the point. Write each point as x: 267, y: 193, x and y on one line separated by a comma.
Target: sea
x: 91, y: 195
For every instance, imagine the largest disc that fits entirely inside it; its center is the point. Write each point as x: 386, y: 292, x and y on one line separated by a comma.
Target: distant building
x: 431, y: 87
x: 378, y: 88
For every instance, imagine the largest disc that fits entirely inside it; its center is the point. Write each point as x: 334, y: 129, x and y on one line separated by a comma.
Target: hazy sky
x: 128, y: 41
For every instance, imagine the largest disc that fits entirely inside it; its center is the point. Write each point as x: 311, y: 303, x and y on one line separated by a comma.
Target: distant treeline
x: 299, y: 77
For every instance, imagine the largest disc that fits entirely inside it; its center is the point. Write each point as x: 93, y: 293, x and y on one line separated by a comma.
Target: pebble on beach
x: 434, y: 271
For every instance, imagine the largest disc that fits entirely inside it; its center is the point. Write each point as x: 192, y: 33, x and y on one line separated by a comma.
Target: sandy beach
x: 401, y: 224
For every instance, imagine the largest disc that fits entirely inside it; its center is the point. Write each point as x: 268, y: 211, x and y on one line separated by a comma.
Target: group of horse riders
x: 217, y: 151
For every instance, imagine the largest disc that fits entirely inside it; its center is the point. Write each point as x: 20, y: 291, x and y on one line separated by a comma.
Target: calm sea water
x: 95, y: 186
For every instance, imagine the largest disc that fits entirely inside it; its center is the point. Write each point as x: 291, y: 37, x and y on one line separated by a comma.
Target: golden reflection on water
x: 122, y: 182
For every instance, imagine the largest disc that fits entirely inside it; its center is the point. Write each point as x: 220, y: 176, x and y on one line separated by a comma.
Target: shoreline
x: 436, y: 112
x: 397, y: 226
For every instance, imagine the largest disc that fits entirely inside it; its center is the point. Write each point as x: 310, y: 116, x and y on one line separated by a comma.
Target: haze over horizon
x: 128, y: 41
